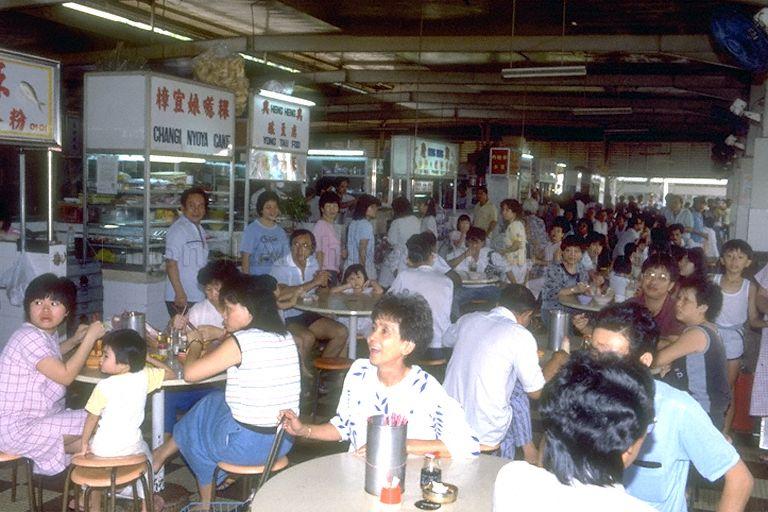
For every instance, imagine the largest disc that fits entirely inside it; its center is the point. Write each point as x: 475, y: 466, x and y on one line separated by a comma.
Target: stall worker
x: 186, y: 252
x: 264, y: 240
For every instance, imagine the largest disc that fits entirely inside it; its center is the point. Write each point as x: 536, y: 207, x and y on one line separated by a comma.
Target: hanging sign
x: 191, y: 118
x: 29, y: 99
x: 433, y: 158
x: 279, y: 125
x: 499, y: 159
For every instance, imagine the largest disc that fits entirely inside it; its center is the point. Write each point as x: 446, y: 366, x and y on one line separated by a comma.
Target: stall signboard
x: 499, y: 159
x: 435, y: 159
x: 191, y: 118
x: 279, y: 125
x: 29, y: 100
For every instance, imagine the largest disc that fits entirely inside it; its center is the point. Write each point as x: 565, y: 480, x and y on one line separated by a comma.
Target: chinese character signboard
x: 433, y: 158
x: 191, y: 118
x: 29, y: 99
x: 499, y: 159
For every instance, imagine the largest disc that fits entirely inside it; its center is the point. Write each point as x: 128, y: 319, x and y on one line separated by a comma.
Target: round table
x: 342, y: 304
x: 572, y: 301
x: 304, y: 487
x: 93, y: 375
x: 476, y: 283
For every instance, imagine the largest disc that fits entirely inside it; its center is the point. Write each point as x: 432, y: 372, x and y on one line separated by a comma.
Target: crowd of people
x: 614, y: 437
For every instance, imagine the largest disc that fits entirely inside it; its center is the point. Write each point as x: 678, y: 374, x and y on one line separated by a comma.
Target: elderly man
x: 298, y: 273
x: 682, y: 434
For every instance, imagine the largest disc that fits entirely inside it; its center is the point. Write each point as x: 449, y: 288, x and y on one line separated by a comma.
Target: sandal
x: 71, y: 505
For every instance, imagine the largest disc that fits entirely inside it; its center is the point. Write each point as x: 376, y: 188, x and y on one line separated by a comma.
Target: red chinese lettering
x: 293, y: 131
x: 223, y: 109
x: 265, y: 107
x: 3, y: 90
x: 161, y: 98
x: 178, y: 99
x: 299, y: 115
x: 208, y: 106
x: 282, y: 129
x: 193, y: 106
x: 271, y: 128
x: 17, y: 119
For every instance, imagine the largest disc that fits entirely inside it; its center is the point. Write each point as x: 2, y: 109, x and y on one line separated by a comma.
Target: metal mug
x: 134, y: 320
x: 558, y: 328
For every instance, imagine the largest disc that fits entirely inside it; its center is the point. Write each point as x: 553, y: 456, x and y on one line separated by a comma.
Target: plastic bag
x: 16, y: 279
x: 224, y: 68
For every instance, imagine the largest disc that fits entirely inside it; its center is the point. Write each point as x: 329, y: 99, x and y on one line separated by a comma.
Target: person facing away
x: 683, y: 433
x: 117, y: 403
x: 420, y: 278
x: 595, y: 413
x: 492, y: 351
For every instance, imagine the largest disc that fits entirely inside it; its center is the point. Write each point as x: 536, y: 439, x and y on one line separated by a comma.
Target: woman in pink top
x: 329, y: 252
x: 34, y: 421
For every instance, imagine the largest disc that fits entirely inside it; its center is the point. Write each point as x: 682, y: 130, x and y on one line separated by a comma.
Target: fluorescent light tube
x: 336, y: 152
x: 561, y: 164
x: 121, y: 19
x: 544, y: 71
x: 284, y: 97
x: 269, y: 63
x: 602, y: 111
x: 526, y: 156
x: 175, y: 159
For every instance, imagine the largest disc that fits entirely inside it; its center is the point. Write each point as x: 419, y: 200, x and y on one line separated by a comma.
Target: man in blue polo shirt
x: 683, y: 433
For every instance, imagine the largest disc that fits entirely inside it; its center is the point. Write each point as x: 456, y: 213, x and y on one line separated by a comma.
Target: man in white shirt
x: 298, y: 272
x: 637, y: 225
x: 422, y: 279
x: 492, y: 351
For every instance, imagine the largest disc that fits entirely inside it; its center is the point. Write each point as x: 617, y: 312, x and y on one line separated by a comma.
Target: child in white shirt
x: 356, y: 282
x: 117, y: 403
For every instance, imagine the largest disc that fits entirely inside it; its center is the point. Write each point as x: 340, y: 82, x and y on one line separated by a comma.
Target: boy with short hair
x: 739, y: 308
x: 697, y: 358
x: 117, y: 402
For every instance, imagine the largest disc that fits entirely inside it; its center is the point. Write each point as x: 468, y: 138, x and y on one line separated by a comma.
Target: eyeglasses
x: 662, y: 276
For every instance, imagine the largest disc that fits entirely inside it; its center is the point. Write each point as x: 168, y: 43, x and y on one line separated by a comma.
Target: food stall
x: 418, y: 166
x: 148, y: 137
x: 278, y: 141
x: 30, y: 123
x: 353, y: 165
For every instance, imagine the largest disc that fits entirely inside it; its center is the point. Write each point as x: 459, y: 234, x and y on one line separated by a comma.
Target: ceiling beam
x: 462, y: 78
x: 685, y: 44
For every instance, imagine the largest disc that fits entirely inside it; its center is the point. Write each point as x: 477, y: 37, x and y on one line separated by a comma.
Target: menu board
x: 29, y: 99
x: 433, y: 158
x: 279, y: 125
x: 276, y: 165
x: 191, y: 118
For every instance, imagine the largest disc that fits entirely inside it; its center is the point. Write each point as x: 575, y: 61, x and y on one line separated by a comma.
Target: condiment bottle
x: 162, y: 344
x: 431, y: 471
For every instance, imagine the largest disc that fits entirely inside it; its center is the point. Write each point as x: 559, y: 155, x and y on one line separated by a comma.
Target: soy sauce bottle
x: 431, y: 471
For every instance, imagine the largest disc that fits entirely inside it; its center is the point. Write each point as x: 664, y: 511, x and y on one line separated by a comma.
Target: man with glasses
x: 683, y: 432
x: 657, y: 281
x: 299, y: 273
x: 186, y: 252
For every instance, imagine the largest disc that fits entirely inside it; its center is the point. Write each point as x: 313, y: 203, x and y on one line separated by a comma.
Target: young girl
x: 428, y: 216
x: 356, y: 282
x: 117, y: 402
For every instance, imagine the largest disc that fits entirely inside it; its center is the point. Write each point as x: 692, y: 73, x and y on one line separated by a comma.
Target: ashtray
x: 439, y: 492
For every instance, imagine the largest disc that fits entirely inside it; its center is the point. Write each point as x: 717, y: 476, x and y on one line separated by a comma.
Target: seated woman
x: 238, y: 425
x: 389, y: 383
x: 565, y: 279
x: 207, y: 317
x: 595, y: 415
x: 33, y: 378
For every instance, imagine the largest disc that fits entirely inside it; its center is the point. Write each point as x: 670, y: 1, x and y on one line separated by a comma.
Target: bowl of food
x: 584, y: 299
x: 439, y: 492
x: 602, y: 300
